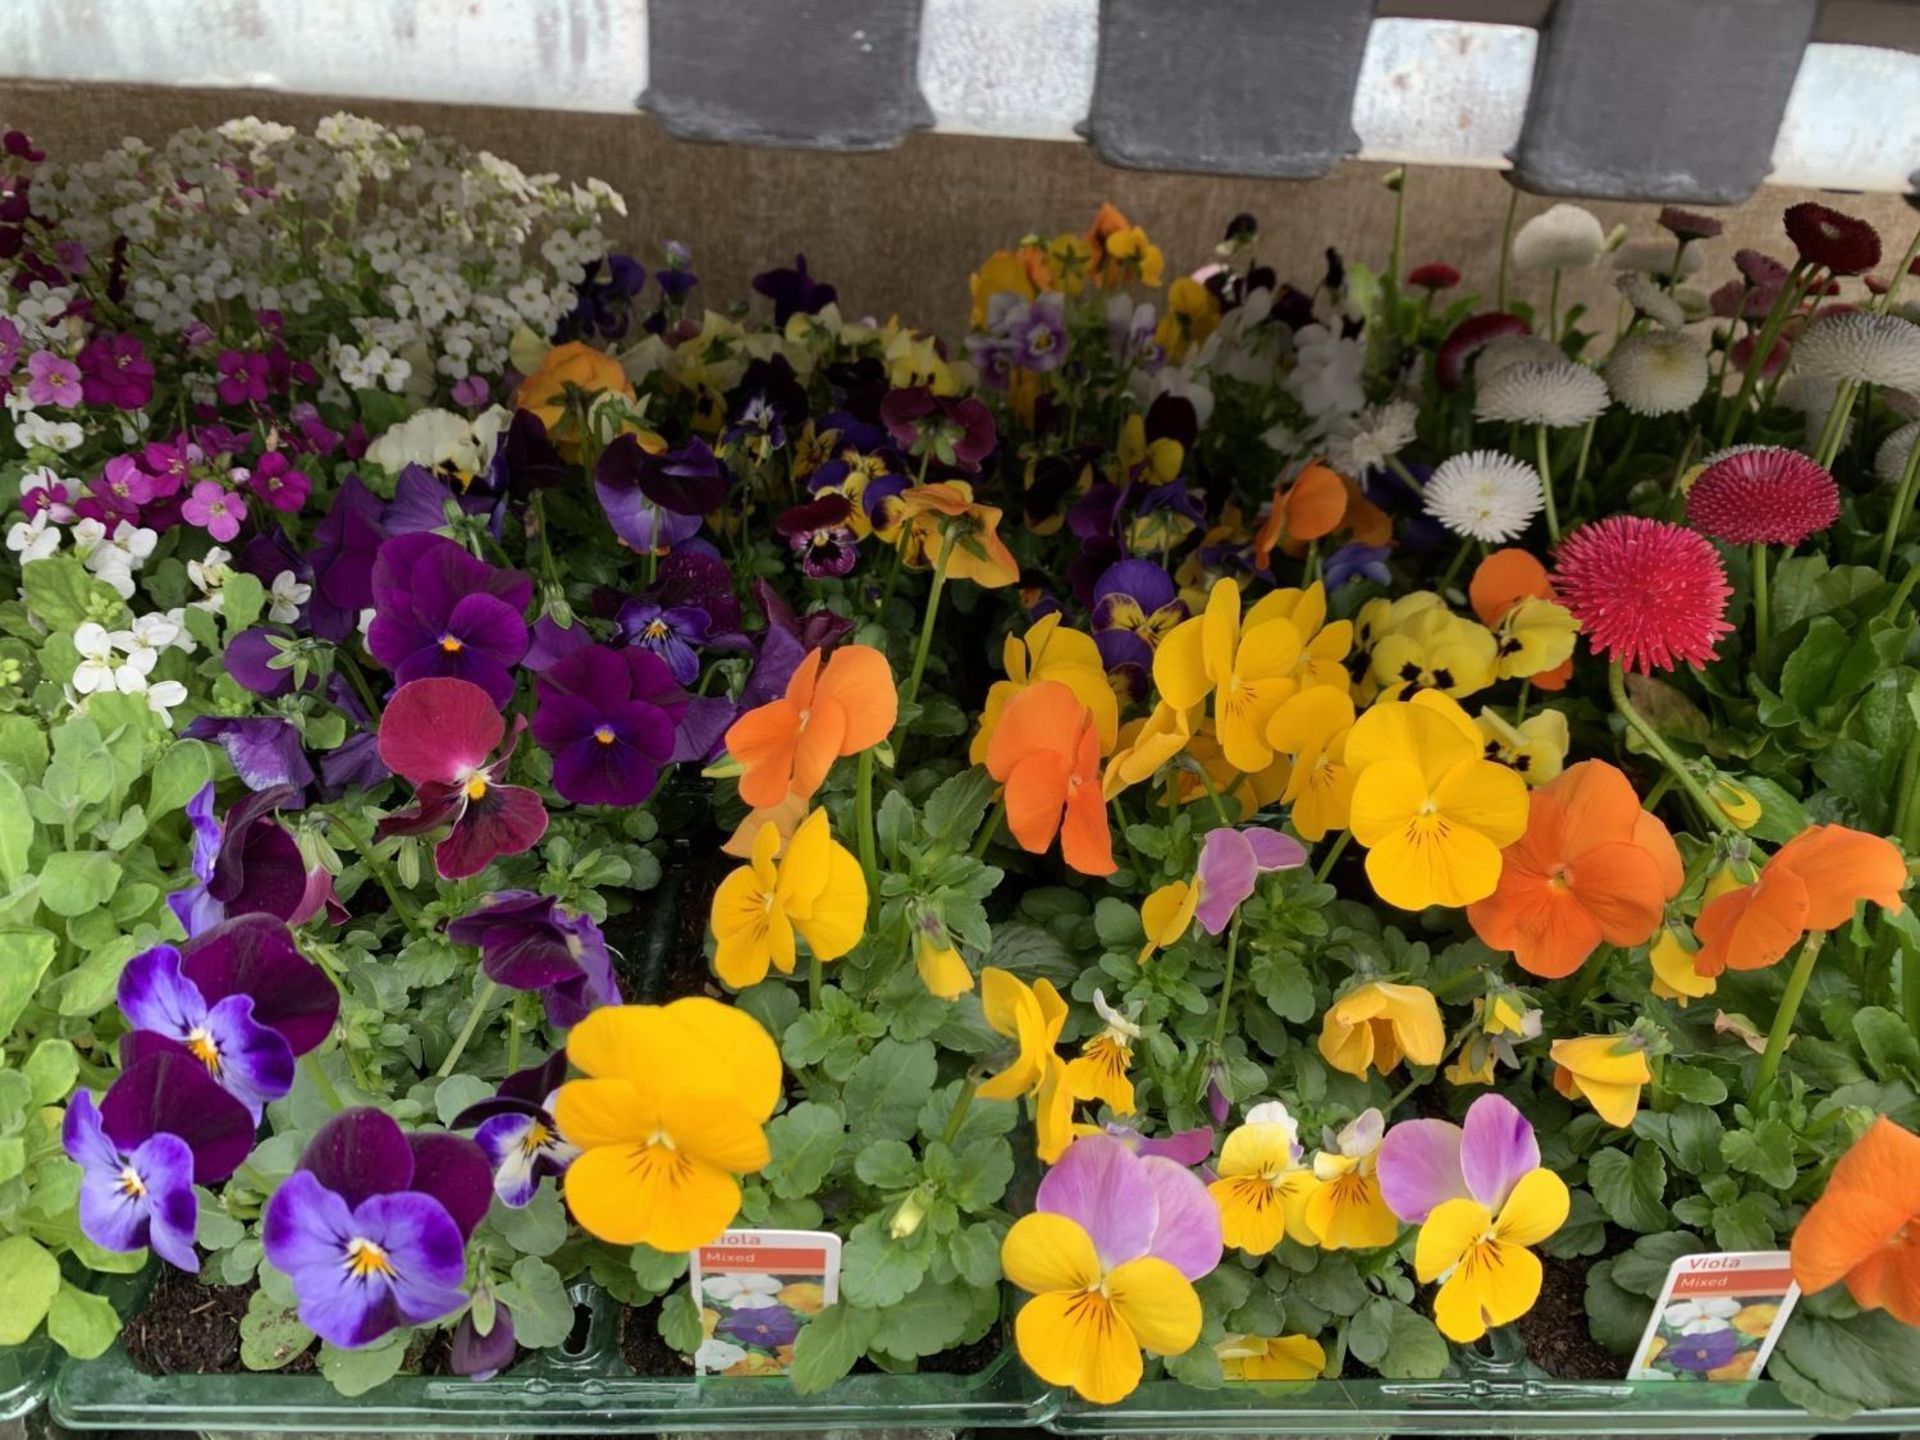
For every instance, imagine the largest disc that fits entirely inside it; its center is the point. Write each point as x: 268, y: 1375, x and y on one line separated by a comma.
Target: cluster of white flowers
x: 1327, y: 374
x: 417, y: 256
x: 123, y: 660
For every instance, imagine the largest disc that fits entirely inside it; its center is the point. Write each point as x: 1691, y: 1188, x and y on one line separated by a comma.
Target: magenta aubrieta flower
x: 243, y: 377
x: 1231, y: 861
x: 607, y: 717
x: 163, y: 1127
x: 441, y: 612
x: 372, y: 1228
x: 517, y: 1132
x: 215, y: 509
x: 115, y: 371
x: 275, y: 481
x: 533, y: 942
x: 240, y: 999
x: 52, y: 380
x: 439, y: 734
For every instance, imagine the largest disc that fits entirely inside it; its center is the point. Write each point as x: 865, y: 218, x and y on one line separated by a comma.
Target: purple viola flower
x: 607, y: 717
x: 862, y: 466
x: 793, y: 291
x: 1133, y: 1206
x: 553, y: 642
x: 702, y: 731
x: 517, y: 1132
x: 481, y: 1357
x: 674, y: 633
x: 765, y: 1327
x: 1038, y: 330
x: 1231, y: 861
x: 249, y: 658
x: 1183, y: 1147
x: 785, y: 643
x: 657, y: 500
x: 1135, y: 606
x: 1703, y: 1351
x: 250, y: 865
x: 602, y: 306
x: 346, y: 545
x: 819, y: 533
x: 423, y: 501
x: 1357, y: 561
x: 53, y: 380
x: 243, y: 377
x: 441, y: 612
x: 958, y: 432
x: 133, y: 1197
x: 1422, y: 1164
x: 115, y: 371
x: 533, y: 942
x: 193, y: 907
x: 526, y: 460
x: 372, y: 1228
x: 251, y: 1062
x: 265, y: 750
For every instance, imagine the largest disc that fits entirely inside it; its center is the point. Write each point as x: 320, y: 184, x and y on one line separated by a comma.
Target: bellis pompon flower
x: 1607, y: 1071
x: 440, y: 735
x: 1264, y: 1184
x: 829, y: 711
x: 1480, y: 1197
x: 1763, y: 495
x: 1649, y: 595
x: 1812, y: 883
x: 1031, y: 1016
x: 1109, y: 1258
x: 1046, y: 752
x: 672, y: 1109
x: 1865, y: 1227
x: 1378, y: 1024
x: 815, y: 890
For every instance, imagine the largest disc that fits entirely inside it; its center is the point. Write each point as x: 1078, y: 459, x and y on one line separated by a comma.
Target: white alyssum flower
x: 285, y: 597
x: 1656, y: 372
x: 38, y: 432
x: 1484, y: 495
x: 209, y: 576
x: 1558, y: 394
x: 1562, y: 237
x: 1889, y: 461
x: 34, y: 539
x: 116, y: 556
x: 148, y: 635
x: 1326, y: 374
x: 1866, y: 348
x: 183, y: 641
x: 101, y: 668
x: 1366, y: 441
x: 163, y: 696
x: 1644, y: 294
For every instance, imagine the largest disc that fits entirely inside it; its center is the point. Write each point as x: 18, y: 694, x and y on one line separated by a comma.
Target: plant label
x: 756, y: 1288
x: 1717, y: 1318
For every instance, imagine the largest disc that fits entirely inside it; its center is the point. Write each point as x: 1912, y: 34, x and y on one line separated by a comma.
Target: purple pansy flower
x: 1703, y: 1351
x: 1038, y: 332
x: 249, y: 658
x: 793, y: 291
x: 1183, y: 1147
x: 526, y: 460
x: 957, y: 432
x: 248, y: 866
x: 533, y: 942
x: 1135, y: 606
x: 552, y: 642
x: 517, y: 1132
x: 193, y: 907
x: 607, y: 717
x: 1134, y: 1205
x: 1422, y: 1164
x: 265, y: 750
x: 689, y: 482
x: 133, y: 1197
x: 819, y: 533
x: 765, y: 1327
x: 1231, y: 861
x: 786, y: 642
x: 1357, y: 561
x: 372, y: 1228
x: 441, y: 612
x: 423, y: 500
x: 346, y: 545
x: 481, y: 1357
x: 674, y: 633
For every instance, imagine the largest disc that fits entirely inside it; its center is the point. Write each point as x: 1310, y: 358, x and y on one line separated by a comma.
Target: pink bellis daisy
x: 1649, y: 595
x: 1763, y: 495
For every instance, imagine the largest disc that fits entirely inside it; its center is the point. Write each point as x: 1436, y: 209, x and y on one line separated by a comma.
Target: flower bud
x: 907, y: 1218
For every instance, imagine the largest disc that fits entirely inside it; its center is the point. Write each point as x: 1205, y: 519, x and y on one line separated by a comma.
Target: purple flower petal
x: 136, y: 1198
x: 1145, y: 583
x: 454, y: 1171
x: 171, y: 1093
x: 505, y: 821
x: 1497, y: 1147
x: 1419, y: 1168
x: 491, y: 626
x: 346, y: 543
x: 1187, y: 1235
x: 1184, y: 1147
x: 525, y: 940
x: 355, y: 765
x: 247, y: 656
x: 481, y: 1357
x: 702, y: 727
x: 256, y: 955
x: 1104, y: 1186
x: 153, y: 994
x: 1273, y: 850
x: 265, y: 750
x: 251, y: 1062
x: 552, y: 642
x: 359, y: 1153
x: 259, y: 868
x: 1226, y: 874
x: 521, y: 1149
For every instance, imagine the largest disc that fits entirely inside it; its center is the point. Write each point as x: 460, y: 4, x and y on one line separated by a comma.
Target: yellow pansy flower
x: 1377, y: 1025
x: 1311, y: 729
x: 1432, y: 810
x: 1606, y: 1071
x: 1674, y: 977
x: 1150, y: 464
x: 1271, y: 1357
x: 1051, y: 651
x: 1145, y: 745
x: 1251, y: 791
x: 1100, y: 1072
x: 1323, y: 646
x: 1503, y: 1018
x: 670, y: 1111
x: 942, y: 970
x: 1193, y: 313
x: 1031, y: 1016
x: 1263, y: 1187
x: 914, y: 359
x: 1348, y: 1211
x: 1534, y: 635
x: 1535, y: 749
x: 809, y: 1297
x: 1488, y: 1275
x: 1005, y: 272
x: 1736, y: 802
x: 1249, y: 671
x: 1071, y: 259
x: 1434, y: 649
x: 1166, y: 914
x: 1756, y: 1320
x: 816, y: 890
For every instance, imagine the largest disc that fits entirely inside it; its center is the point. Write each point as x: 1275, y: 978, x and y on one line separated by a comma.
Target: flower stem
x: 1617, y: 683
x: 988, y: 832
x: 1590, y: 974
x: 1784, y: 304
x: 957, y: 1116
x: 1226, y: 985
x: 926, y: 625
x: 480, y: 1003
x: 863, y: 827
x: 516, y: 1023
x: 1506, y: 246
x: 1459, y: 559
x: 1762, y: 621
x: 1333, y: 855
x: 1553, y: 307
x: 364, y: 843
x: 816, y: 977
x: 1546, y: 478
x: 1835, y: 430
x: 1782, y: 1027
x: 323, y: 1082
x: 1902, y: 507
x: 1900, y: 273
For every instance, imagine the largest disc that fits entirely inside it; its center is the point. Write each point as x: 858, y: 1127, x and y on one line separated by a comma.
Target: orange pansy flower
x: 575, y: 366
x: 788, y: 745
x: 1311, y: 508
x: 1502, y: 581
x: 979, y: 554
x: 1046, y: 751
x: 1812, y: 883
x: 1866, y: 1228
x: 1592, y: 866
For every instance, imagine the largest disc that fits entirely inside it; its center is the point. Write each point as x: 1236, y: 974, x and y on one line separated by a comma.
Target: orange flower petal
x: 1036, y: 796
x: 1858, y: 1229
x: 1502, y: 581
x: 1842, y: 867
x: 1601, y: 807
x: 1316, y: 503
x: 764, y: 740
x: 858, y: 678
x: 1752, y: 926
x: 1044, y: 716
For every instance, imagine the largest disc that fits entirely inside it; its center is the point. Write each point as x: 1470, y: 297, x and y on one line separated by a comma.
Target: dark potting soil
x: 643, y: 1349
x: 1555, y: 1330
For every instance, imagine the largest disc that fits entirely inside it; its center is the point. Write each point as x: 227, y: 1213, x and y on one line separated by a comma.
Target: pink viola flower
x: 52, y: 380
x: 1231, y: 861
x: 215, y: 509
x: 439, y: 734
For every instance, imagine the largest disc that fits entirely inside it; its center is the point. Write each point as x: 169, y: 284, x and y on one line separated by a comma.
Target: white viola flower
x: 1656, y: 372
x: 718, y: 1356
x: 1559, y: 394
x: 1562, y: 237
x: 1327, y: 371
x: 1366, y: 441
x: 1869, y: 349
x: 1484, y: 495
x: 163, y: 697
x: 434, y: 438
x: 97, y: 660
x: 285, y: 597
x: 1644, y: 294
x: 1703, y: 1316
x: 731, y: 1289
x: 34, y: 539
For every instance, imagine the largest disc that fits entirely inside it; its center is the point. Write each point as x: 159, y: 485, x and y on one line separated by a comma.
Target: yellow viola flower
x: 1535, y: 749
x: 1248, y: 671
x: 1149, y: 464
x: 1756, y: 1320
x: 1005, y: 272
x: 1432, y: 810
x: 1674, y: 977
x: 1263, y: 1187
x: 1377, y: 1025
x: 1534, y: 636
x: 1193, y: 314
x: 1503, y: 1018
x: 809, y: 1297
x: 1434, y: 649
x: 1606, y: 1071
x: 816, y: 891
x: 1070, y: 258
x: 1051, y: 651
x: 1488, y: 1274
x: 672, y: 1109
x: 1031, y: 1016
x: 1324, y: 647
x: 914, y: 359
x: 942, y: 970
x: 1131, y: 255
x: 1145, y: 745
x: 1311, y: 729
x: 1736, y: 802
x: 1348, y: 1211
x: 1271, y: 1357
x: 1166, y: 914
x: 1251, y: 791
x: 1100, y: 1072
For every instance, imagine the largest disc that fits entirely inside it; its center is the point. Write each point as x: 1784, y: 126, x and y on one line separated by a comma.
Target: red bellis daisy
x: 1841, y: 243
x: 1435, y: 275
x: 1763, y: 495
x: 1648, y: 595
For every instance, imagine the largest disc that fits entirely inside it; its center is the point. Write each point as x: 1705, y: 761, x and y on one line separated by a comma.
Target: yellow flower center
x: 604, y: 734
x: 130, y: 1184
x: 656, y: 630
x: 205, y: 1049
x: 476, y: 787
x: 366, y: 1259
x: 536, y: 1136
x: 451, y: 644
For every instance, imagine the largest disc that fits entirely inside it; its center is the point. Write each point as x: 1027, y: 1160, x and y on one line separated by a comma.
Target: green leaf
x: 1031, y: 952
x: 1642, y: 1270
x: 1689, y: 1082
x: 24, y: 958
x: 354, y: 1372
x: 1585, y: 1232
x: 829, y: 1344
x: 456, y: 1093
x: 1764, y: 1152
x: 271, y: 1334
x: 61, y: 592
x: 984, y: 1170
x: 74, y: 882
x: 888, y: 1165
x: 183, y: 767
x: 878, y: 1271
x: 537, y: 1296
x: 243, y: 597
x: 1891, y: 1047
x: 1629, y: 1187
x: 538, y: 1227
x: 81, y: 1323
x: 29, y: 1279
x: 16, y: 832
x: 926, y: 1322
x: 953, y: 812
x: 1415, y: 1349
x: 1743, y: 1225
x: 1371, y: 1331
x: 1869, y: 1362
x: 975, y: 1253
x: 656, y: 1270
x: 680, y: 1322
x: 804, y: 1143
x: 885, y: 1090
x: 1616, y: 1316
